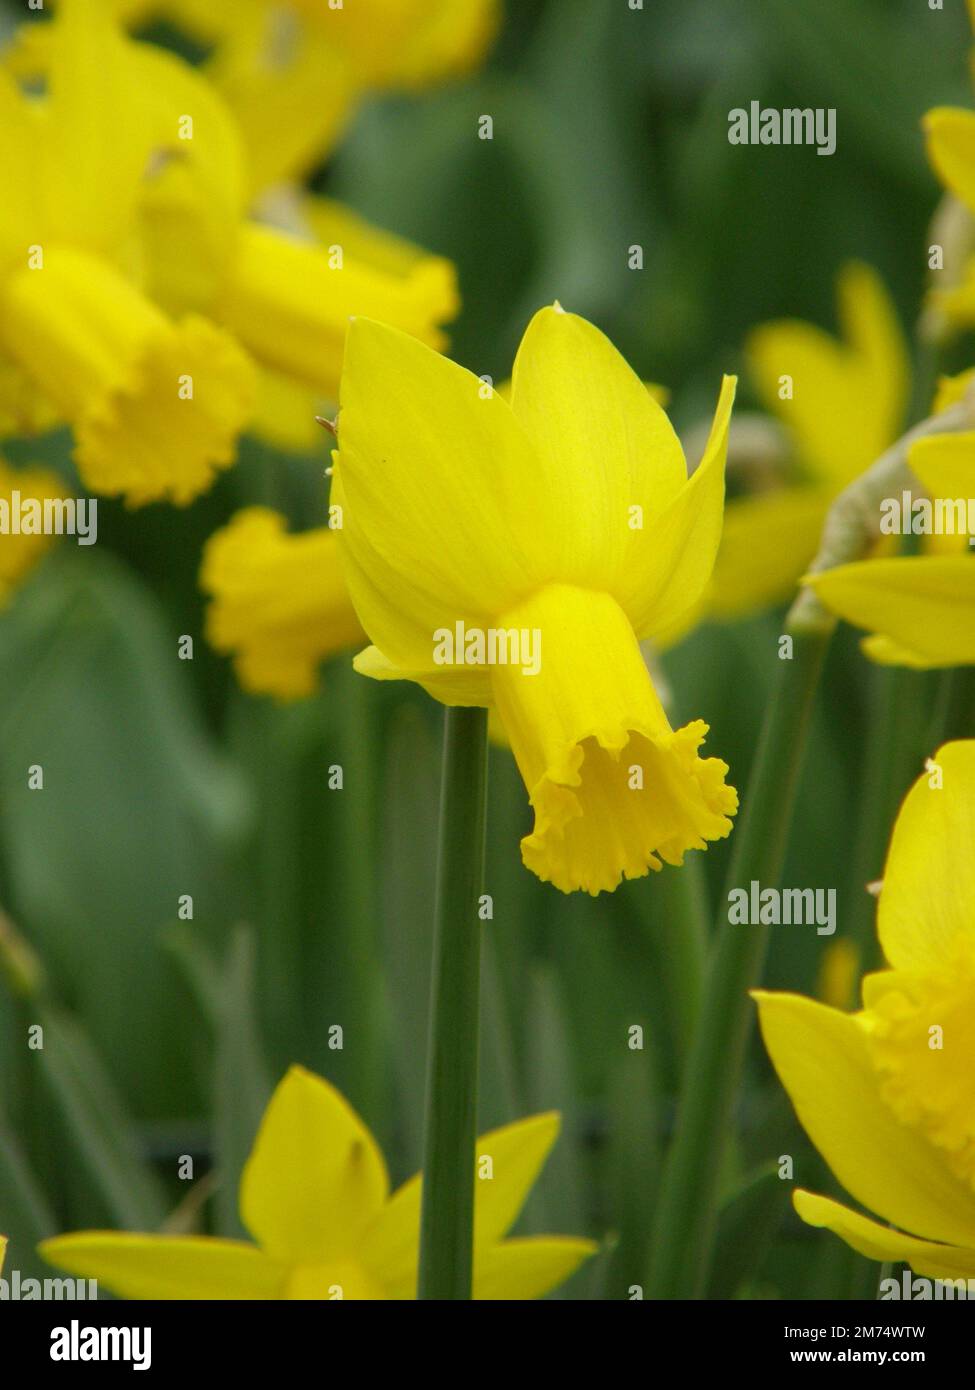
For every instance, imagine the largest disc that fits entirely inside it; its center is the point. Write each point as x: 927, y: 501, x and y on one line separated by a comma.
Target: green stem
x: 686, y: 1212
x: 447, y: 1215
x: 681, y: 922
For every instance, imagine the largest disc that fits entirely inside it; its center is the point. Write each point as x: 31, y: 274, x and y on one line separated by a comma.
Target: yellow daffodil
x: 842, y: 403
x: 564, y: 523
x: 278, y: 602
x: 3, y: 1251
x: 885, y: 1094
x: 294, y: 71
x: 155, y: 404
x: 920, y: 610
x: 19, y: 553
x: 315, y: 1197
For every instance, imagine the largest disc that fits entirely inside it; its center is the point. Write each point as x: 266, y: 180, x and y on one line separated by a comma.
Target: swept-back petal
x: 168, y: 1267
x: 945, y: 464
x: 879, y: 1242
x: 925, y: 603
x: 670, y: 562
x: 315, y: 1179
x: 606, y: 442
x: 929, y: 878
x: 823, y: 1061
x: 448, y: 512
x: 529, y: 1267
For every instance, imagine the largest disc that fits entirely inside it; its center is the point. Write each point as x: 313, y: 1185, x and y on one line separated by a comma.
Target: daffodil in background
x: 842, y: 402
x: 20, y: 553
x: 568, y: 514
x: 155, y: 402
x: 919, y: 610
x: 315, y: 1196
x: 279, y: 602
x: 295, y: 71
x: 885, y: 1094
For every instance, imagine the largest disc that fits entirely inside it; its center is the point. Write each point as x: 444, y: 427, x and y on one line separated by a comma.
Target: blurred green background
x: 161, y: 779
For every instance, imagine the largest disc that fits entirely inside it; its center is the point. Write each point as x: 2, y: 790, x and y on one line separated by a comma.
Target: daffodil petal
x: 167, y: 1267
x: 454, y: 686
x: 604, y: 439
x: 517, y: 1153
x: 924, y: 603
x: 315, y: 1179
x: 945, y: 464
x: 879, y: 1242
x: 929, y: 877
x: 950, y: 135
x: 845, y: 399
x: 446, y: 506
x: 529, y: 1267
x: 823, y: 1061
x: 887, y: 653
x: 767, y: 544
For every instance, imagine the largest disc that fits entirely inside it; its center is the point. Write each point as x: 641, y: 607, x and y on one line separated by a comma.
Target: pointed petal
x: 168, y: 1267
x: 823, y: 1061
x: 603, y: 437
x: 453, y: 686
x: 945, y: 464
x: 530, y: 1267
x: 929, y: 878
x: 517, y: 1152
x: 315, y: 1178
x: 447, y: 513
x: 924, y: 603
x: 879, y: 1242
x: 670, y: 562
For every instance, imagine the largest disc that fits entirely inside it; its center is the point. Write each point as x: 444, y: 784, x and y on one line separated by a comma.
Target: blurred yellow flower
x: 294, y: 71
x: 885, y: 1094
x: 564, y: 524
x: 20, y: 553
x: 920, y: 610
x: 315, y: 1197
x: 279, y: 603
x: 155, y: 404
x: 842, y: 403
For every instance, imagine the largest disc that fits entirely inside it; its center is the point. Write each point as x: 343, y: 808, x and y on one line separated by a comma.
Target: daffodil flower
x: 155, y: 404
x: 566, y: 518
x: 885, y: 1094
x: 919, y: 610
x: 278, y: 602
x: 19, y: 553
x: 842, y: 403
x: 315, y: 1196
x: 295, y: 71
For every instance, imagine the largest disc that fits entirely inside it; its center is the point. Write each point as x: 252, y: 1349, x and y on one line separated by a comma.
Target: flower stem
x: 686, y: 1212
x: 447, y: 1216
